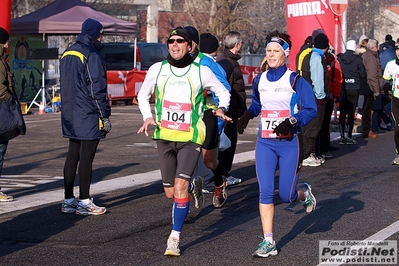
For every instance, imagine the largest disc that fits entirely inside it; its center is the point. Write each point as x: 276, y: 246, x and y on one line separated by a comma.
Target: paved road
x: 356, y: 192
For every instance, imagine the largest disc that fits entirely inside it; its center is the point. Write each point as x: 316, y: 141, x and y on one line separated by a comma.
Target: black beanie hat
x: 92, y: 27
x: 321, y: 41
x: 182, y: 33
x: 194, y: 33
x: 4, y: 36
x: 208, y: 43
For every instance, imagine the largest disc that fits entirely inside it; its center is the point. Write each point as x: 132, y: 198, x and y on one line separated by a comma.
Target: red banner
x: 5, y: 14
x: 124, y: 84
x: 304, y: 16
x: 249, y: 73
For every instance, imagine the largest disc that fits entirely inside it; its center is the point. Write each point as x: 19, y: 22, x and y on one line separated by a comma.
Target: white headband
x: 284, y: 45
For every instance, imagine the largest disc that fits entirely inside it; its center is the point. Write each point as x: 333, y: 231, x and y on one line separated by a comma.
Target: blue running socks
x: 180, y: 211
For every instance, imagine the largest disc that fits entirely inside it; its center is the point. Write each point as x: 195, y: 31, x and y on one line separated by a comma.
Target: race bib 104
x: 176, y: 115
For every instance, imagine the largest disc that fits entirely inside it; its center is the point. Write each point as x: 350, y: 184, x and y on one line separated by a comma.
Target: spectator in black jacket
x: 228, y: 59
x: 352, y: 71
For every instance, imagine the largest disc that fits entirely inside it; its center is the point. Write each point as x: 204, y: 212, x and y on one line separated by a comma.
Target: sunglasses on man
x: 171, y: 41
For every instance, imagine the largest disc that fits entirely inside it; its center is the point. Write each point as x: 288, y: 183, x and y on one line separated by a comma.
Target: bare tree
x: 363, y: 16
x: 24, y: 7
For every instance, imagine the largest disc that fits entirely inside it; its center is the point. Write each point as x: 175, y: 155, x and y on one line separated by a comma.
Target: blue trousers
x: 287, y: 155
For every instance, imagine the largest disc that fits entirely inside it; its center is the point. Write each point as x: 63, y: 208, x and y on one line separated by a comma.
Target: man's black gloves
x: 106, y: 125
x: 284, y: 128
x: 243, y: 121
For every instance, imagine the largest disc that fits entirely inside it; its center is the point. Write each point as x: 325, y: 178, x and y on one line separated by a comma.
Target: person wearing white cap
x: 352, y: 71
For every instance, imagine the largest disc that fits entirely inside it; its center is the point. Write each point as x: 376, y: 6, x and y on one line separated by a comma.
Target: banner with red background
x: 5, y: 14
x: 305, y: 16
x: 124, y: 84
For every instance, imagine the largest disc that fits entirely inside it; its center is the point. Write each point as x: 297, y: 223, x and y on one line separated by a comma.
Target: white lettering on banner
x: 303, y: 9
x: 137, y: 87
x: 115, y: 90
x: 123, y: 78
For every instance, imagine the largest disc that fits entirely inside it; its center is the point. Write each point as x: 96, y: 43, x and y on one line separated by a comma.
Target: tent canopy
x: 65, y: 17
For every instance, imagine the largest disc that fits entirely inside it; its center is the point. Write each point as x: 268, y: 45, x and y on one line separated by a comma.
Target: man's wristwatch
x: 293, y: 120
x: 223, y: 109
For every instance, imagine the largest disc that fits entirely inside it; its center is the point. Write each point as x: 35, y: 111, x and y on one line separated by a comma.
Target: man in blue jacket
x: 214, y: 126
x: 85, y: 114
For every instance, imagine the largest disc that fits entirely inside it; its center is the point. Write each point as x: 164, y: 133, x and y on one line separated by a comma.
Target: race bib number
x: 176, y: 116
x: 270, y: 120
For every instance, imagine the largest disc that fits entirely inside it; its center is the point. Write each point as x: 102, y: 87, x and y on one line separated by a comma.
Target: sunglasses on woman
x: 171, y: 41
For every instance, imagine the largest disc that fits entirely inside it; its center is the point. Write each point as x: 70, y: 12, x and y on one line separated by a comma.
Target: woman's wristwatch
x: 293, y: 120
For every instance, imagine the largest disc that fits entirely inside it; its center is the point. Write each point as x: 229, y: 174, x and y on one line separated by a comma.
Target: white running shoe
x: 172, y: 247
x: 311, y: 161
x: 69, y: 207
x: 89, y: 209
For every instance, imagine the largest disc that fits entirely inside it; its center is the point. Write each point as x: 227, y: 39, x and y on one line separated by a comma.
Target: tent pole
x: 43, y: 76
x: 135, y: 53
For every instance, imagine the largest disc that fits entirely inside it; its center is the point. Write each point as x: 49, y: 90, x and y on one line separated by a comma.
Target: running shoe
x: 231, y: 180
x: 311, y: 161
x: 310, y: 202
x: 342, y: 141
x: 350, y: 141
x: 395, y: 161
x: 320, y: 158
x: 5, y: 198
x: 172, y: 247
x: 69, y: 207
x: 89, y: 209
x: 265, y: 249
x: 198, y: 195
x: 220, y: 196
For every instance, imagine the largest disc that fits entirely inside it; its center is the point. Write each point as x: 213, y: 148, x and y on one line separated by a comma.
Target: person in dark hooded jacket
x: 85, y: 114
x: 352, y: 71
x: 228, y: 59
x: 6, y: 91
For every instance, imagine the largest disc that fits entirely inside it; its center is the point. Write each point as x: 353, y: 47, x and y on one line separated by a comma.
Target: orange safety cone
x: 41, y: 109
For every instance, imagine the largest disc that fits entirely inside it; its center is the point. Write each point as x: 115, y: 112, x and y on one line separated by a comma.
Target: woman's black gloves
x: 243, y: 121
x: 284, y: 128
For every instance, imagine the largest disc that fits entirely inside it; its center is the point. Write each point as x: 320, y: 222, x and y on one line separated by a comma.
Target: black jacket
x: 353, y: 70
x: 228, y: 61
